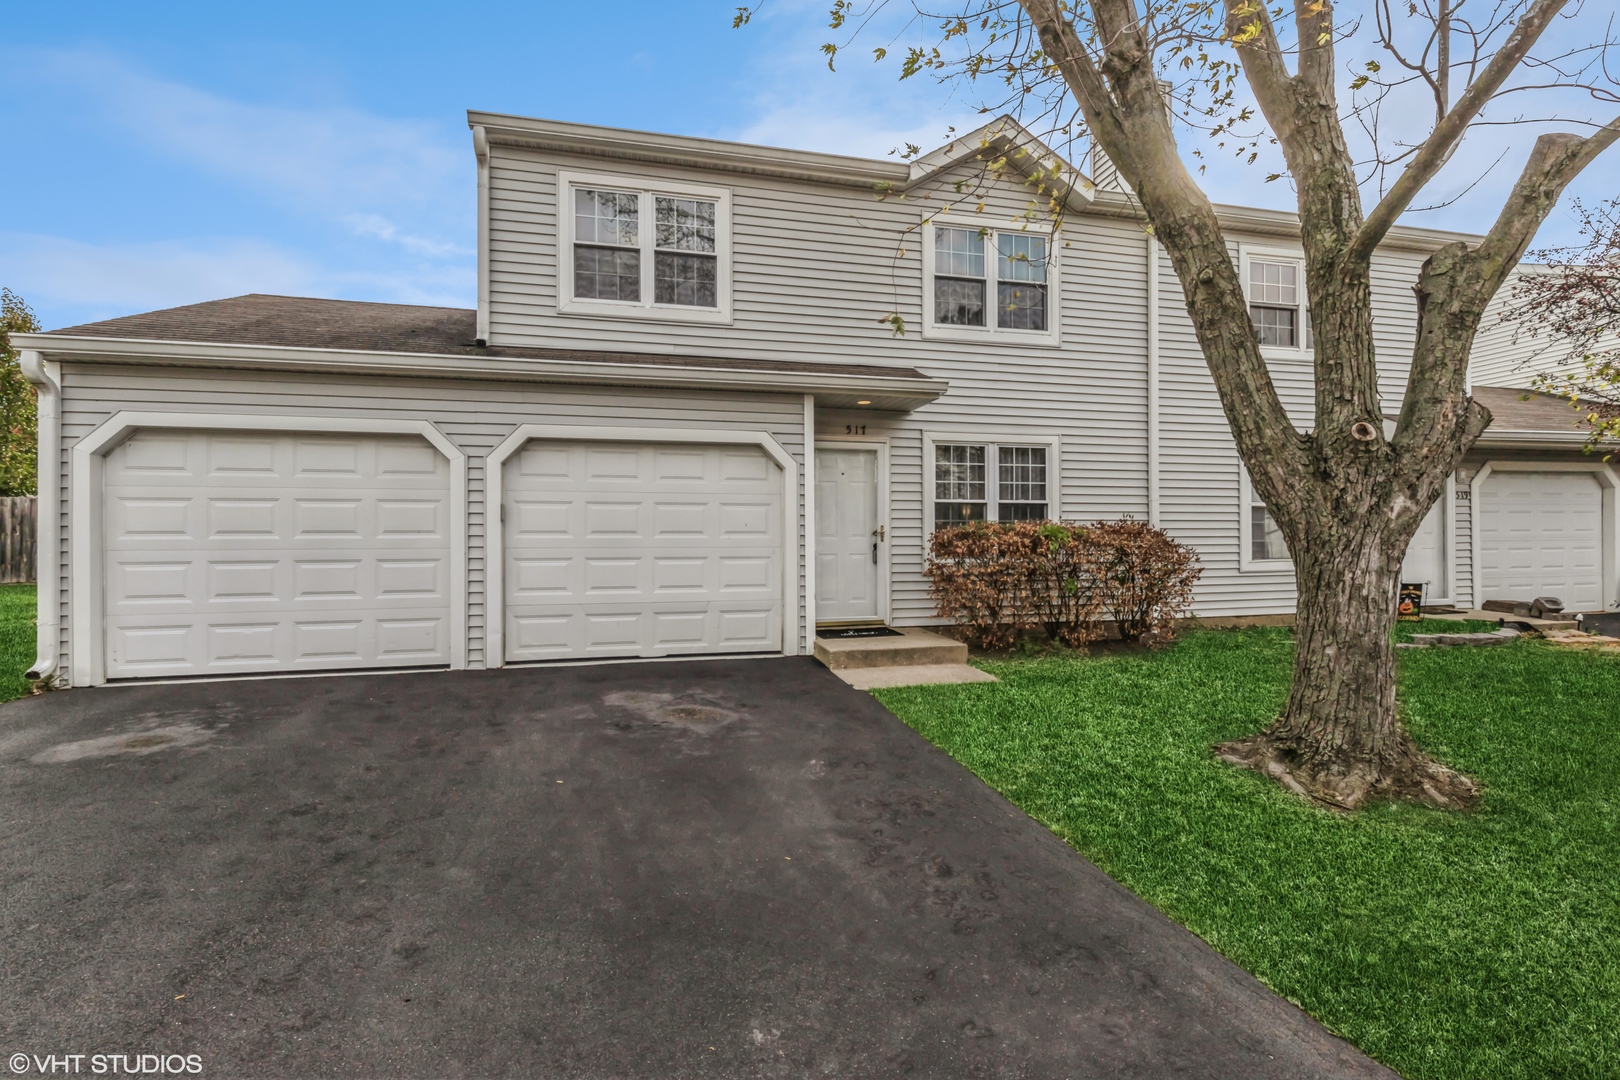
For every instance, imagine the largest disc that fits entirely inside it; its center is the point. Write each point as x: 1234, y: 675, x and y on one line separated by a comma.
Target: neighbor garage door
x: 1541, y: 534
x: 641, y: 549
x: 244, y: 552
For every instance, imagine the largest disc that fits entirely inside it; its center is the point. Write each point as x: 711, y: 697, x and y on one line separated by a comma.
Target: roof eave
x: 687, y: 150
x: 900, y: 393
x: 1556, y: 440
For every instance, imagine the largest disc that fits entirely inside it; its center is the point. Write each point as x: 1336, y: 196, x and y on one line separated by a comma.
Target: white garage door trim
x: 1606, y: 479
x: 85, y: 579
x: 495, y: 556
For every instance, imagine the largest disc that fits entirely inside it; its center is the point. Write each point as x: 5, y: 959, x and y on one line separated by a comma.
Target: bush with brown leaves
x: 998, y: 579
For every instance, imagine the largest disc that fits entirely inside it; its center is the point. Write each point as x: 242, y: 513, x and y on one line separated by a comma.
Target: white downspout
x: 1153, y: 379
x: 46, y: 376
x: 810, y: 523
x: 481, y: 152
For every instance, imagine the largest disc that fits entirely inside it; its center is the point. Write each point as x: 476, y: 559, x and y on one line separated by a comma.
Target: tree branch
x: 1248, y: 26
x: 1455, y: 286
x: 1121, y: 100
x: 1449, y: 131
x: 1313, y: 22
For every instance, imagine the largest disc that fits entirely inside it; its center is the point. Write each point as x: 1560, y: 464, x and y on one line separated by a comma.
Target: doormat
x: 857, y: 631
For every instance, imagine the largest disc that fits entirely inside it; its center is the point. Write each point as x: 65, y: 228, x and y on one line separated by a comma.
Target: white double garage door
x: 233, y: 552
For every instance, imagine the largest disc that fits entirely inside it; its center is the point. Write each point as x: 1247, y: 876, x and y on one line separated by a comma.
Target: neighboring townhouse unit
x: 712, y: 396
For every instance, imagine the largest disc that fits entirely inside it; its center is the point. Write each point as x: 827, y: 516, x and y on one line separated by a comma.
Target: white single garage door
x: 1541, y: 534
x: 248, y: 552
x: 641, y: 549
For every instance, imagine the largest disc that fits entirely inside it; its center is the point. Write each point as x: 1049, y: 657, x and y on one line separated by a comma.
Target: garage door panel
x: 264, y: 575
x: 1541, y: 534
x: 642, y: 549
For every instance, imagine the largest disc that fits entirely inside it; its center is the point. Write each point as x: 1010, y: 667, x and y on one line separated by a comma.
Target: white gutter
x: 910, y: 389
x: 481, y: 152
x: 1550, y: 440
x: 46, y: 375
x: 1153, y: 379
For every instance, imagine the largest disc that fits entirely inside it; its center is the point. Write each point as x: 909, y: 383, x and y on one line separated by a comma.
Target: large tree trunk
x: 1348, y: 494
x: 1339, y: 739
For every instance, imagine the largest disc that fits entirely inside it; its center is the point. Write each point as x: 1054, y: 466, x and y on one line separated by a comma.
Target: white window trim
x: 1053, y: 445
x: 1251, y: 252
x: 495, y: 526
x: 1246, y: 563
x: 1052, y: 335
x: 85, y: 568
x: 568, y: 304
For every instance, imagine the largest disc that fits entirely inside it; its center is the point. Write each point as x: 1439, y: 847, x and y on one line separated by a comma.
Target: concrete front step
x: 873, y: 678
x: 914, y: 647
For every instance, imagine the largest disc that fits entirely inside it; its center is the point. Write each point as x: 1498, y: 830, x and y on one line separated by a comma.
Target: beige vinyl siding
x: 474, y: 416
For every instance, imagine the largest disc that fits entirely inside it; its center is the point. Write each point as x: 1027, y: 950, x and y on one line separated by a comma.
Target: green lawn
x: 17, y: 639
x: 1471, y: 945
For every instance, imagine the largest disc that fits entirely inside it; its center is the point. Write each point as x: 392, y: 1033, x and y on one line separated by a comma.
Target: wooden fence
x: 19, y: 542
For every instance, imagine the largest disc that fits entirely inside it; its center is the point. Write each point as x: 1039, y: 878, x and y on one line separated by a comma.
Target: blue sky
x: 166, y: 153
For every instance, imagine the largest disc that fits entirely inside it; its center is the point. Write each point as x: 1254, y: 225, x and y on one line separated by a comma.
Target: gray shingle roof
x: 303, y: 322
x: 1510, y: 411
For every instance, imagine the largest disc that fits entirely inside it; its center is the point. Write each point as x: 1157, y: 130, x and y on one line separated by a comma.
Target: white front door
x: 849, y: 540
x: 241, y: 551
x: 1425, y: 562
x: 642, y: 549
x: 1541, y: 534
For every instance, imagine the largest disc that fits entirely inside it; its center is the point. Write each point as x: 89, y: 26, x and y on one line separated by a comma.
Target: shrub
x: 1148, y: 577
x: 999, y: 579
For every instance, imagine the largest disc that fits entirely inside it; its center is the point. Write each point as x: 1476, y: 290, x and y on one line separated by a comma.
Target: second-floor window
x: 988, y: 281
x: 607, y: 245
x: 640, y: 252
x: 1277, y: 302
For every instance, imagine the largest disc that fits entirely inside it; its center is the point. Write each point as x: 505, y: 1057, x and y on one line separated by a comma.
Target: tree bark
x: 1339, y: 740
x: 1347, y: 495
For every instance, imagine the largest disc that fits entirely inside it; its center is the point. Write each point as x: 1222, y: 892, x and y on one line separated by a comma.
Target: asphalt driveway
x: 719, y: 868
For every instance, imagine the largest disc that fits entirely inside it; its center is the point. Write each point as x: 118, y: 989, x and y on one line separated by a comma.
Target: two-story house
x: 712, y: 397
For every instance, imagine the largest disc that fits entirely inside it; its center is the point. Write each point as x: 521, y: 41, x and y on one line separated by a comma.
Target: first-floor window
x: 983, y: 482
x: 959, y: 485
x: 1265, y: 539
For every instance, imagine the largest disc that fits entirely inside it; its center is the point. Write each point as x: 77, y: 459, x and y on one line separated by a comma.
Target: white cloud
x: 332, y: 159
x: 71, y: 281
x: 380, y: 228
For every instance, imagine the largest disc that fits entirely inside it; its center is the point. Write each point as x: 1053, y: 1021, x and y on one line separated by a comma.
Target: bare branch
x: 1446, y: 134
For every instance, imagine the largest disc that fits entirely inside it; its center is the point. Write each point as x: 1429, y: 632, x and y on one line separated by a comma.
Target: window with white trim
x: 988, y: 281
x: 1277, y: 304
x: 1263, y: 545
x: 632, y: 251
x: 989, y: 482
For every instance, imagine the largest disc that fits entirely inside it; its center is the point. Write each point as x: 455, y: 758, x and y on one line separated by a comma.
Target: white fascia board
x: 1025, y: 152
x: 687, y: 150
x: 1552, y: 440
x: 439, y: 365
